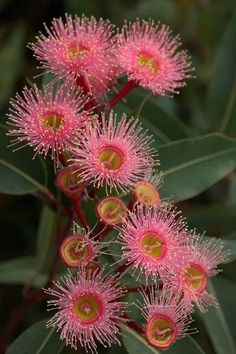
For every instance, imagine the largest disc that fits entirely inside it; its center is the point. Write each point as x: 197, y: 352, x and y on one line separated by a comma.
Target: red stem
x: 134, y: 325
x: 102, y: 231
x: 132, y: 202
x: 122, y: 268
x: 62, y: 158
x: 133, y: 290
x: 158, y: 286
x: 93, y: 192
x: 91, y: 104
x: 105, y: 232
x: 123, y: 92
x: 79, y: 212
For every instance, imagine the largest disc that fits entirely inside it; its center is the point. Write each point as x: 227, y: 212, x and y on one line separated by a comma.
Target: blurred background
x: 201, y: 25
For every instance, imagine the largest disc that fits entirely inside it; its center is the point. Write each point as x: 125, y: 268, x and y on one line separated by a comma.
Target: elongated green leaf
x: 47, y: 78
x: 115, y: 349
x: 221, y: 102
x: 19, y: 174
x: 190, y: 166
x: 21, y: 271
x: 186, y: 346
x: 164, y: 125
x: 162, y: 10
x: 210, y: 35
x: 46, y: 239
x: 37, y: 339
x: 216, y: 216
x: 221, y: 322
x: 11, y: 61
x: 82, y: 7
x: 154, y: 115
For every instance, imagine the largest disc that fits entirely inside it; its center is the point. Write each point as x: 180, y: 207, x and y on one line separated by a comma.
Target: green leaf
x: 186, y: 345
x: 221, y: 102
x: 19, y: 173
x: 82, y: 7
x: 37, y: 339
x: 161, y: 10
x: 164, y: 125
x: 219, y: 217
x: 221, y: 322
x: 135, y: 343
x: 46, y: 239
x: 21, y: 271
x: 89, y: 209
x: 211, y: 35
x: 114, y: 349
x: 190, y: 166
x: 11, y: 61
x: 47, y: 79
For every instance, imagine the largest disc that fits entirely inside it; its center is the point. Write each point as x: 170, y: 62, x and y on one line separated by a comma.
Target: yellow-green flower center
x: 70, y: 180
x: 75, y: 251
x: 148, y: 62
x: 146, y: 193
x: 77, y: 50
x: 161, y: 331
x: 195, y: 279
x: 88, y: 308
x: 94, y: 80
x: 111, y: 158
x: 152, y: 245
x: 111, y: 210
x: 53, y: 121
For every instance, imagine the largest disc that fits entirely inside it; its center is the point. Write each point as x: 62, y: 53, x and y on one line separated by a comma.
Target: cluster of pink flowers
x: 95, y: 151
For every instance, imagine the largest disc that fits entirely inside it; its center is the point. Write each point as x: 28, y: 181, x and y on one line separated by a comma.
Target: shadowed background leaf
x: 221, y: 100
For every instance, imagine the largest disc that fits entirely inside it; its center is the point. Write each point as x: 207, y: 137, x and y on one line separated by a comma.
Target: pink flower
x: 78, y: 48
x: 153, y: 239
x: 88, y: 309
x: 148, y: 54
x: 191, y: 274
x: 46, y: 121
x: 114, y: 153
x: 166, y: 316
